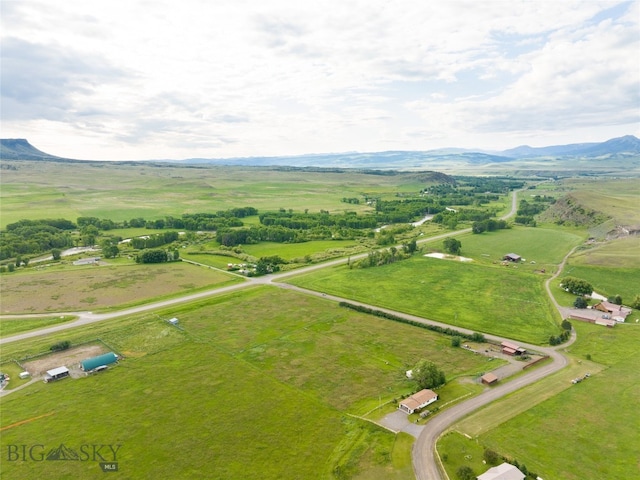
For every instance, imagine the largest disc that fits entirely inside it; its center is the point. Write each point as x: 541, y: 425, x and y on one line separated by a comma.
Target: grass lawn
x: 12, y: 326
x: 485, y: 298
x: 94, y: 288
x: 257, y: 384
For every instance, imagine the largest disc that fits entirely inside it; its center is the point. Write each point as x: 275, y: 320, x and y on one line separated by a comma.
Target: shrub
x: 64, y: 345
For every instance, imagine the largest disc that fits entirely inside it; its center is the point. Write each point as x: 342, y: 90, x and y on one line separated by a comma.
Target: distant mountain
x: 21, y: 149
x: 616, y: 148
x: 622, y: 146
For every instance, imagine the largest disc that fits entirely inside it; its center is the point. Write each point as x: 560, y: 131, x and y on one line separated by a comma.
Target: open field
x: 12, y: 326
x: 92, y: 287
x: 256, y: 384
x: 49, y: 189
x: 504, y: 300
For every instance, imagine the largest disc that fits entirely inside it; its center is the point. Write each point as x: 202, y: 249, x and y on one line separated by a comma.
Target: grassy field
x: 12, y: 326
x: 503, y: 300
x: 122, y: 192
x: 68, y: 288
x: 256, y: 384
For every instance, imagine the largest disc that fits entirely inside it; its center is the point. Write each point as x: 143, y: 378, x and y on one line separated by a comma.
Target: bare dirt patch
x: 69, y: 358
x: 90, y: 288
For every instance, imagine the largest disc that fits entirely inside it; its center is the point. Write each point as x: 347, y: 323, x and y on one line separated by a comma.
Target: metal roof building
x: 99, y: 361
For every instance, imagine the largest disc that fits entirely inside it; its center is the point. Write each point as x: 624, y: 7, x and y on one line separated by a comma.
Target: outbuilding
x: 56, y: 374
x: 512, y: 349
x: 99, y: 361
x: 512, y: 257
x: 489, y: 378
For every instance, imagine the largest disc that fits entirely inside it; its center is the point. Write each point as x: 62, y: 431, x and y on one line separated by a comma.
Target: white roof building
x: 505, y: 471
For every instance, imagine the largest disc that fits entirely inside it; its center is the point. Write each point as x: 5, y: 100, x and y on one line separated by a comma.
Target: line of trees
x: 474, y: 337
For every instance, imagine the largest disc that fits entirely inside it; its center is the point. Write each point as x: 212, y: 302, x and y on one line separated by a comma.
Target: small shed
x: 24, y: 375
x: 489, y: 378
x: 512, y: 257
x: 56, y: 374
x: 99, y: 361
x: 173, y: 321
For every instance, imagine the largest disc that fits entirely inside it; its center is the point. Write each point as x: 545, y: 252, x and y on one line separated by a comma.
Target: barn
x: 99, y: 361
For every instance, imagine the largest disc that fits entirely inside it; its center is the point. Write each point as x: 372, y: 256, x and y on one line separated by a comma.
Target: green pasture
x: 122, y: 191
x: 589, y: 430
x: 68, y: 288
x: 265, y: 360
x: 485, y: 298
x: 293, y: 251
x: 13, y: 326
x: 544, y: 246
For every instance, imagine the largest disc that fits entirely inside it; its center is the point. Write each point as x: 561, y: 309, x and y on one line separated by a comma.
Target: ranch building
x: 417, y: 401
x: 512, y: 257
x: 512, y: 349
x: 617, y: 312
x: 56, y: 374
x: 99, y: 361
x: 504, y: 471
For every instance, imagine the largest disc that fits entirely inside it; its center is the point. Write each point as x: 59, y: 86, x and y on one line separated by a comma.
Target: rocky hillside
x: 569, y: 211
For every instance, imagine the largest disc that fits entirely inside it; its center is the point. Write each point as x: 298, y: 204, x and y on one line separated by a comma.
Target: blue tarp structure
x: 95, y: 362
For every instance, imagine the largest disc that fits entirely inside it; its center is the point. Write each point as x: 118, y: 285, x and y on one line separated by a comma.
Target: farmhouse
x: 617, y: 312
x: 418, y: 400
x: 512, y: 349
x: 56, y: 374
x: 99, y: 361
x: 489, y: 378
x: 512, y: 257
x: 505, y: 471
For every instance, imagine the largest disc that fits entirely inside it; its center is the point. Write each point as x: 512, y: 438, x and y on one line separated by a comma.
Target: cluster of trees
x: 450, y: 218
x: 386, y: 257
x: 427, y: 375
x: 527, y: 211
x: 308, y: 221
x: 576, y: 286
x: 452, y: 246
x: 558, y: 339
x: 489, y: 225
x: 158, y: 256
x: 154, y: 241
x: 29, y: 237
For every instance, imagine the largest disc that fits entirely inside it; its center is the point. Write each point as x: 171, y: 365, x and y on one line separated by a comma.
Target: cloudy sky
x: 141, y: 79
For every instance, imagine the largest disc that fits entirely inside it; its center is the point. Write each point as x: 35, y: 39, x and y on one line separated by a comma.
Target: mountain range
x: 613, y: 149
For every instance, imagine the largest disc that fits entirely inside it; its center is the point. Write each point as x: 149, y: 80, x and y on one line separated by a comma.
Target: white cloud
x: 150, y: 79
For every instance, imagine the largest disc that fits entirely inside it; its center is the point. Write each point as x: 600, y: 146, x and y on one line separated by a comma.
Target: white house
x: 505, y: 471
x: 417, y: 401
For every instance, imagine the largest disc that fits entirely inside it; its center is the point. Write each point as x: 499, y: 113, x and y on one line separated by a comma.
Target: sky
x: 155, y: 79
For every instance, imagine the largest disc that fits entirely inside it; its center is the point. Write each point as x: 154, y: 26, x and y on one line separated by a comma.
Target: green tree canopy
x: 427, y: 375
